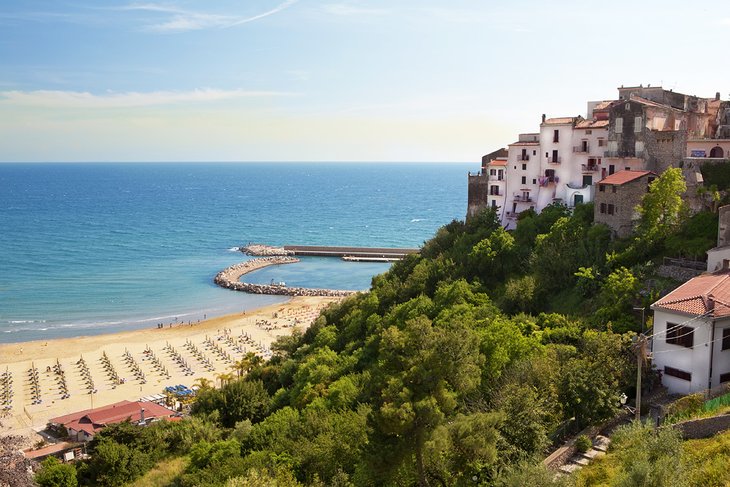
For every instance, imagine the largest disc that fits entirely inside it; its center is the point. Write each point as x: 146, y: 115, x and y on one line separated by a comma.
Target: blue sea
x: 98, y: 248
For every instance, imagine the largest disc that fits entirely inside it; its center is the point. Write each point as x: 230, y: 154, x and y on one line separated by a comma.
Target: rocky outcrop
x: 230, y: 278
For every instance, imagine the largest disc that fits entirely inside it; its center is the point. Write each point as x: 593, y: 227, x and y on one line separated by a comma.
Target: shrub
x: 583, y: 443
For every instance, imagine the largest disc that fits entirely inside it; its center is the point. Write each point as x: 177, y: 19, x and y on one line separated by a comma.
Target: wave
x: 417, y: 220
x: 234, y: 249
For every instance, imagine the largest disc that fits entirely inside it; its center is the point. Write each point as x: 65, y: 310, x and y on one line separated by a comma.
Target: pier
x: 355, y: 254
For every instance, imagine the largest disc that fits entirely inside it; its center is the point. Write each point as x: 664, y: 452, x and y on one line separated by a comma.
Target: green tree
x: 113, y: 464
x: 423, y: 370
x: 53, y: 473
x: 662, y: 209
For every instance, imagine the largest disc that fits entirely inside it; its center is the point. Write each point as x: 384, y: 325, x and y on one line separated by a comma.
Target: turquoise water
x: 96, y: 248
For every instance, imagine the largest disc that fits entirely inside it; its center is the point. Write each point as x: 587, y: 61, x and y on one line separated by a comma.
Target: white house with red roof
x: 691, y: 339
x: 83, y: 425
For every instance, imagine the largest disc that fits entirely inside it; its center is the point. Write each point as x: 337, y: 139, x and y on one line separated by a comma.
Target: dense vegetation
x: 460, y: 367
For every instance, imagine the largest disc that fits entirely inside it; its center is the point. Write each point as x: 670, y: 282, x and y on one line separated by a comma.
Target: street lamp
x: 642, y: 309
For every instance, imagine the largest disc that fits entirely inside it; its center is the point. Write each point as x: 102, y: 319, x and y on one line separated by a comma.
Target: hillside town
x: 607, y: 156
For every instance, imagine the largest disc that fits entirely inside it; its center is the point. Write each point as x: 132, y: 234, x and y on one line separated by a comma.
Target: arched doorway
x: 717, y: 152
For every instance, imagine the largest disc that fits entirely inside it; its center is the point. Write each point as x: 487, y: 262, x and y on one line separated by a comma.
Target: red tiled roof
x: 560, y: 120
x: 92, y: 420
x: 708, y: 293
x: 603, y: 105
x: 49, y: 450
x: 498, y: 162
x: 623, y: 177
x: 591, y: 124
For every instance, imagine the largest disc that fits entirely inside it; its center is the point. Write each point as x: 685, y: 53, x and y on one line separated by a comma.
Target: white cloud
x: 181, y: 20
x: 77, y: 99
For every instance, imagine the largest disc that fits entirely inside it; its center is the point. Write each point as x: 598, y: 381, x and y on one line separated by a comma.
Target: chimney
x: 717, y: 96
x: 141, y: 415
x: 543, y: 118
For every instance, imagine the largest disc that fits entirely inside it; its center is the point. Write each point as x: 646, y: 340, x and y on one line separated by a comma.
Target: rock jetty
x: 230, y: 278
x: 261, y: 250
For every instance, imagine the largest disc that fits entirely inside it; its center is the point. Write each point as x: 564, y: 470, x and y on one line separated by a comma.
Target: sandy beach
x: 56, y: 377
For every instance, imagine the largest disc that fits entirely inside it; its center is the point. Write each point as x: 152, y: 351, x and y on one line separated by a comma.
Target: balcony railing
x: 554, y: 160
x: 520, y: 198
x: 496, y: 193
x: 589, y: 167
x: 496, y: 177
x: 581, y: 149
x: 523, y: 157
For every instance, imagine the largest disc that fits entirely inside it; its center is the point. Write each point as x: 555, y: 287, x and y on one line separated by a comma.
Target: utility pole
x: 640, y: 355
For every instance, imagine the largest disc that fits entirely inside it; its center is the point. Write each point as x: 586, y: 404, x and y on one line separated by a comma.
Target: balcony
x: 496, y: 193
x: 498, y: 177
x: 521, y: 198
x: 554, y: 160
x: 579, y: 149
x: 522, y: 157
x: 589, y: 167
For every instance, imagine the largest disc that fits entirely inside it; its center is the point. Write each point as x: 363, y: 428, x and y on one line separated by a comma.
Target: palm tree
x: 225, y: 378
x: 242, y: 366
x: 203, y: 383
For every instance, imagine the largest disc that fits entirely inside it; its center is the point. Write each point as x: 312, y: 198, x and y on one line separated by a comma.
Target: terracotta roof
x: 49, y: 450
x: 623, y: 177
x: 560, y: 120
x: 591, y: 124
x: 498, y: 162
x: 92, y: 420
x: 708, y: 293
x: 525, y: 143
x: 603, y: 105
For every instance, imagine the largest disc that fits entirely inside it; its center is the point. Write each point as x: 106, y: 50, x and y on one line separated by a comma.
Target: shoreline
x: 120, y: 362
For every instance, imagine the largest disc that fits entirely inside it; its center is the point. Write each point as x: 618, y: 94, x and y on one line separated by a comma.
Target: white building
x: 691, y: 340
x: 496, y: 169
x: 561, y: 163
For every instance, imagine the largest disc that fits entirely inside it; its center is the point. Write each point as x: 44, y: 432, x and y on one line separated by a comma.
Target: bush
x: 583, y: 443
x: 53, y: 473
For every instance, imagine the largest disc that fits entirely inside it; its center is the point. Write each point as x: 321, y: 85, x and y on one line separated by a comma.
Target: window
x: 619, y: 125
x: 492, y: 172
x: 601, y: 188
x: 524, y: 179
x: 534, y: 153
x: 601, y: 142
x: 494, y: 190
x: 609, y: 210
x: 613, y: 188
x: 494, y: 203
x: 589, y: 132
x: 555, y: 156
x: 611, y: 169
x: 680, y: 335
x: 534, y: 181
x: 725, y: 377
x: 587, y: 180
x: 725, y: 339
x: 524, y: 167
x: 603, y: 208
x: 637, y: 124
x: 556, y: 135
x: 679, y: 374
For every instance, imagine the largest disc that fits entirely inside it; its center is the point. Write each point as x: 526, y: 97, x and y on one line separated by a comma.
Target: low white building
x: 691, y: 339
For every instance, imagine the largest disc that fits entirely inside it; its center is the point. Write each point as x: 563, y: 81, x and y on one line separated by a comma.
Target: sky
x: 339, y: 80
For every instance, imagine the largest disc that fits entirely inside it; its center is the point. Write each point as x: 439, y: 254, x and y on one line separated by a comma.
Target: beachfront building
x: 83, y: 425
x: 479, y: 184
x: 644, y: 129
x: 618, y: 196
x: 691, y: 342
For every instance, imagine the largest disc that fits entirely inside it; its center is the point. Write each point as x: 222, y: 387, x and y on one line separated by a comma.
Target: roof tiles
x: 708, y: 293
x: 623, y: 177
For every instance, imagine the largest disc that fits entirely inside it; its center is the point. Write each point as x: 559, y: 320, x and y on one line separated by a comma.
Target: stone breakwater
x: 260, y: 250
x: 230, y: 279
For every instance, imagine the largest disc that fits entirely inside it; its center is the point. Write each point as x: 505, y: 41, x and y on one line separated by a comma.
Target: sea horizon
x: 93, y: 248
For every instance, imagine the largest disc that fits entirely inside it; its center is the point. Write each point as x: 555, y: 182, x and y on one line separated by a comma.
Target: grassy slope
x: 163, y: 474
x: 707, y: 462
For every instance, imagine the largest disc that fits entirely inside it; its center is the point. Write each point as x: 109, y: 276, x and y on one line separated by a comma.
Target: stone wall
x: 624, y: 200
x: 229, y: 278
x: 703, y: 428
x: 681, y: 274
x: 478, y: 193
